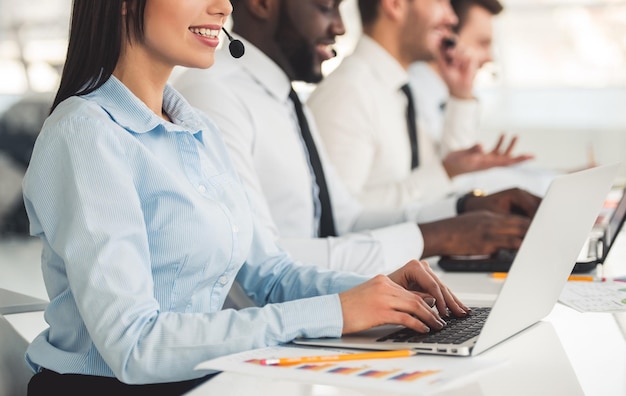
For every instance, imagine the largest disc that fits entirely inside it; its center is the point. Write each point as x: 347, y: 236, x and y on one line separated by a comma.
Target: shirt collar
x: 265, y: 71
x: 132, y: 114
x: 385, y: 66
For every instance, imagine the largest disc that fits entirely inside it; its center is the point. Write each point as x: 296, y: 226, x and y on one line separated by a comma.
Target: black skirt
x: 47, y: 382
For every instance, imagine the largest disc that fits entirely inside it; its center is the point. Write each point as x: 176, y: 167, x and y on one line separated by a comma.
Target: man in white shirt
x: 474, y: 36
x: 251, y: 101
x: 361, y: 108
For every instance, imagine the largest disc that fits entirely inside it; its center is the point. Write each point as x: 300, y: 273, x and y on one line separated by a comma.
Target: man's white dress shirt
x: 433, y: 102
x: 360, y: 111
x: 248, y: 100
x: 460, y: 130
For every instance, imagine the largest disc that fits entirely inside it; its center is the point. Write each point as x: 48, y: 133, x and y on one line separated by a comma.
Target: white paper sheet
x: 607, y: 296
x: 420, y: 374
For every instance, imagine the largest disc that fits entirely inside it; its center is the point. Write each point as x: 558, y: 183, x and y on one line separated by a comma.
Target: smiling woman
x: 145, y: 225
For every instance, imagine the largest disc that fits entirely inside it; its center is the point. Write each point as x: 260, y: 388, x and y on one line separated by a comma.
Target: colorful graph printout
x: 420, y: 374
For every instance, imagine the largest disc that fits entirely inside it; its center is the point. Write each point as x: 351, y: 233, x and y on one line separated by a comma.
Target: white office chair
x: 14, y: 372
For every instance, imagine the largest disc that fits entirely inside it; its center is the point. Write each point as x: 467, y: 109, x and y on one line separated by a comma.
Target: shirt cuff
x: 433, y: 182
x: 400, y: 244
x: 313, y: 317
x: 432, y: 211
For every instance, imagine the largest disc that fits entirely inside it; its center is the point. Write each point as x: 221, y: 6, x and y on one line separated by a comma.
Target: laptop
x: 595, y: 249
x: 532, y: 287
x: 13, y: 302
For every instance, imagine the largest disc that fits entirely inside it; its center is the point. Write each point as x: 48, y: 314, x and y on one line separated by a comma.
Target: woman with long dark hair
x: 145, y: 225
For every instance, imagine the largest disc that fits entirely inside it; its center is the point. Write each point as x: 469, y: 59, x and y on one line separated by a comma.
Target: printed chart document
x: 607, y: 296
x: 419, y: 374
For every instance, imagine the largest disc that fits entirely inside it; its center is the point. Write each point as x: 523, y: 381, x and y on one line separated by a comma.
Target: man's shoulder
x: 351, y: 78
x: 352, y: 68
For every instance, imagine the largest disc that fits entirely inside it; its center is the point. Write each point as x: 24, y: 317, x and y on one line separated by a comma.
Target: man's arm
x: 353, y: 129
x: 367, y: 252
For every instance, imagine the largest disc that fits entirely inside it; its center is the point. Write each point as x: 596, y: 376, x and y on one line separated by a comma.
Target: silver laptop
x: 532, y: 287
x: 594, y: 252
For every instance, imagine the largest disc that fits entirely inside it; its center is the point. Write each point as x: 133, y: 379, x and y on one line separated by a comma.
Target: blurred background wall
x: 558, y: 79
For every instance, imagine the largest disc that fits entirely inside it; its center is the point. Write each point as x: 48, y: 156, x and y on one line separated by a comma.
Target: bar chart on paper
x: 365, y: 371
x: 416, y: 374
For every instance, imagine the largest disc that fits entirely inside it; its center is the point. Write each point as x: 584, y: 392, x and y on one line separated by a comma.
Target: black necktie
x: 327, y: 224
x: 411, y: 125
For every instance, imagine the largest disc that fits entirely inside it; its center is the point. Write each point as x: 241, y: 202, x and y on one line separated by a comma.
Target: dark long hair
x: 95, y: 43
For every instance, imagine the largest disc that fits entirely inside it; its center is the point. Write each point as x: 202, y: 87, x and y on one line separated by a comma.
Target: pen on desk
x: 582, y: 278
x: 579, y: 278
x: 337, y: 358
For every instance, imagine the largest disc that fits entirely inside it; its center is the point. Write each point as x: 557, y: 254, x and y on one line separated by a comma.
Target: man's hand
x: 399, y: 299
x: 474, y: 233
x: 511, y: 201
x: 458, y: 67
x: 475, y: 158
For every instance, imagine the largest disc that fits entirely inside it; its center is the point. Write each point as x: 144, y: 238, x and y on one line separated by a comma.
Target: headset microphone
x: 235, y: 47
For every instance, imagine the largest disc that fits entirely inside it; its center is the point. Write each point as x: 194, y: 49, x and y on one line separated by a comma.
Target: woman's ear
x: 124, y: 11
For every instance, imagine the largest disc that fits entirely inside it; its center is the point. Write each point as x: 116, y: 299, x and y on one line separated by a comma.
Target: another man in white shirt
x: 474, y: 36
x: 361, y: 107
x: 249, y: 98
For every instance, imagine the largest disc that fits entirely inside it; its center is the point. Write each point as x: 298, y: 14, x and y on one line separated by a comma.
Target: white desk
x: 568, y: 353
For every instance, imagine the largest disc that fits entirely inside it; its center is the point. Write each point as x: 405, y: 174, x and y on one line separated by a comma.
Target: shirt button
x: 201, y: 189
x: 223, y: 280
x: 235, y: 228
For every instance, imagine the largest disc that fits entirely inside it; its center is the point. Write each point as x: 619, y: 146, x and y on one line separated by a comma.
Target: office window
x: 559, y: 64
x: 33, y: 43
x: 567, y: 43
x: 538, y: 43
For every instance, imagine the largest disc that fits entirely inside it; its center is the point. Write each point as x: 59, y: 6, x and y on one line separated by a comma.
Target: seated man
x: 365, y: 109
x: 274, y: 145
x: 473, y: 35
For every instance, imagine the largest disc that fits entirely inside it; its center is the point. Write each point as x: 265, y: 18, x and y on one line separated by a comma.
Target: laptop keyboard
x: 458, y: 330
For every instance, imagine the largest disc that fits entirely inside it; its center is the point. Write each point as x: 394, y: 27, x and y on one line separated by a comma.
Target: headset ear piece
x: 236, y: 47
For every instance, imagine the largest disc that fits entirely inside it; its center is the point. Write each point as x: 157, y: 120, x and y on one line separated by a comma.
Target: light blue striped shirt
x: 145, y: 226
